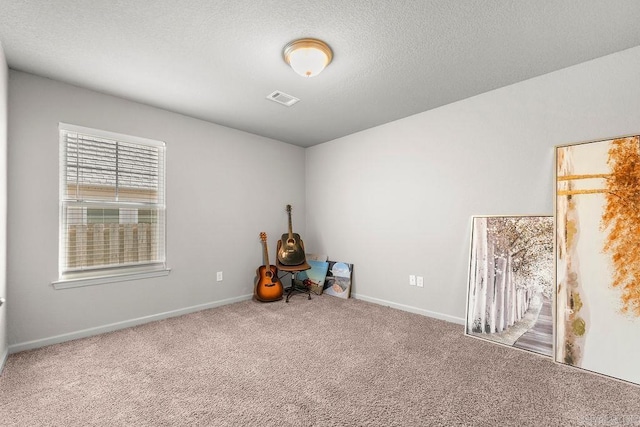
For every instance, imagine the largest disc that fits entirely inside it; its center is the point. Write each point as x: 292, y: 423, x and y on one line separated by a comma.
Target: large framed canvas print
x: 598, y: 257
x: 510, y: 293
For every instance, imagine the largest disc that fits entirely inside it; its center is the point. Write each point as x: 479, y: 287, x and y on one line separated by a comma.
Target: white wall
x: 4, y: 74
x: 397, y: 199
x: 223, y: 187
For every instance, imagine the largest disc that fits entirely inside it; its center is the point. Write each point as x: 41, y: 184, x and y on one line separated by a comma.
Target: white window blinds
x: 112, y: 200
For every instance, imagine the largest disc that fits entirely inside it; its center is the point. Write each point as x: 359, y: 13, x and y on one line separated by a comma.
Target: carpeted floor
x: 324, y: 362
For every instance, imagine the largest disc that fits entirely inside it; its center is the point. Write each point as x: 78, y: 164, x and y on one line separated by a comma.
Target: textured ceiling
x: 217, y: 60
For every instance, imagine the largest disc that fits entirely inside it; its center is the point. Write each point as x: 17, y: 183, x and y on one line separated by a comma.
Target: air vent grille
x: 282, y: 98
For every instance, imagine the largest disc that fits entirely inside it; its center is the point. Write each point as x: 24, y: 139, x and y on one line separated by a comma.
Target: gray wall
x: 223, y: 187
x: 397, y: 199
x: 394, y: 200
x: 4, y: 74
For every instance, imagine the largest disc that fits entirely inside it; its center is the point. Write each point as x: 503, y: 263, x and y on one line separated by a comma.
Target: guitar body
x: 268, y: 288
x: 291, y: 248
x: 291, y: 251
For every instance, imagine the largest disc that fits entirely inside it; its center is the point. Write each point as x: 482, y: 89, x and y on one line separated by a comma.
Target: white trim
x: 84, y: 333
x: 109, y: 135
x: 3, y: 359
x: 125, y: 277
x: 411, y: 309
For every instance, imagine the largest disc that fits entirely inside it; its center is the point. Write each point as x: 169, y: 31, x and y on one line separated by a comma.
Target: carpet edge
x: 84, y: 333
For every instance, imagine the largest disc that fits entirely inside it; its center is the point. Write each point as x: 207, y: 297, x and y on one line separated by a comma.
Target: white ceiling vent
x: 282, y: 98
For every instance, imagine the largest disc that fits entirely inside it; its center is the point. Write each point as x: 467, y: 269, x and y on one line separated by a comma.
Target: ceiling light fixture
x: 307, y: 57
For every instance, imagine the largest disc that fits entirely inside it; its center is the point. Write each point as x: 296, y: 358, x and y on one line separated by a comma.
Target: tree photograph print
x: 511, y: 282
x: 598, y: 257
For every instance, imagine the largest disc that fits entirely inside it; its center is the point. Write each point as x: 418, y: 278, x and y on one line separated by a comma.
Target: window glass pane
x: 103, y: 216
x: 95, y: 237
x: 148, y: 216
x: 128, y: 216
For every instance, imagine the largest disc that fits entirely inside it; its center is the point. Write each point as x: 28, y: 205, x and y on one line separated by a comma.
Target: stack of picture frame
x: 567, y: 286
x: 330, y: 277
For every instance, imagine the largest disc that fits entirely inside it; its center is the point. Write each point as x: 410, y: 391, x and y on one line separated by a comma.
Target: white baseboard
x: 3, y: 359
x: 29, y: 345
x: 410, y: 309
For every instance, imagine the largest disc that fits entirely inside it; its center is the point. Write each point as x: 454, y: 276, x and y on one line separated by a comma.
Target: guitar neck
x: 265, y: 254
x: 290, y: 224
x: 290, y: 227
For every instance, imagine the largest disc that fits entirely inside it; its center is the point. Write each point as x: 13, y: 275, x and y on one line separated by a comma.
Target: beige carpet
x: 324, y: 362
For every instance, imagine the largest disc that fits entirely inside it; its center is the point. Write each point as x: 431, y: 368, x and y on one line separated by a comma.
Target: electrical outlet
x: 219, y: 276
x: 420, y: 281
x: 412, y: 280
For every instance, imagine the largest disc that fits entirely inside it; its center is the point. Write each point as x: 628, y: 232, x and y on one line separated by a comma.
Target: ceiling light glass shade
x: 307, y: 57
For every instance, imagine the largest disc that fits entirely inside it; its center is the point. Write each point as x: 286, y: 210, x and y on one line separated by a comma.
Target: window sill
x: 99, y: 280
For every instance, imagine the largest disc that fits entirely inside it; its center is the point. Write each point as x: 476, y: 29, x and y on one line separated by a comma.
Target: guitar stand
x: 293, y: 269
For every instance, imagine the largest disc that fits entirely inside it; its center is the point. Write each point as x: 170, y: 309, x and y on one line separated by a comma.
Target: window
x: 112, y: 207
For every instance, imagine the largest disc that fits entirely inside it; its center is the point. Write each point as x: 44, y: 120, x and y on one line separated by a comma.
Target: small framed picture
x: 338, y: 280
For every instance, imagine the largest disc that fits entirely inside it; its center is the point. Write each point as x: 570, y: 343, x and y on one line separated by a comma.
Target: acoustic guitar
x: 291, y: 249
x: 268, y: 287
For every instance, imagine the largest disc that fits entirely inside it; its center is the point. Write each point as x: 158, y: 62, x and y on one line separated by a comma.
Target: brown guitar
x: 291, y: 249
x: 268, y: 288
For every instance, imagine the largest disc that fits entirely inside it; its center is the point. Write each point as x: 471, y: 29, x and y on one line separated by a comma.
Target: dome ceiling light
x: 307, y: 57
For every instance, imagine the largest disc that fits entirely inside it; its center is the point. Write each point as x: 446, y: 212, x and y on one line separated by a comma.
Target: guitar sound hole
x: 269, y: 274
x: 291, y: 242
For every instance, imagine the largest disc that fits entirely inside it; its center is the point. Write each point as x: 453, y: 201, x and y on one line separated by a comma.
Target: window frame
x: 106, y: 273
